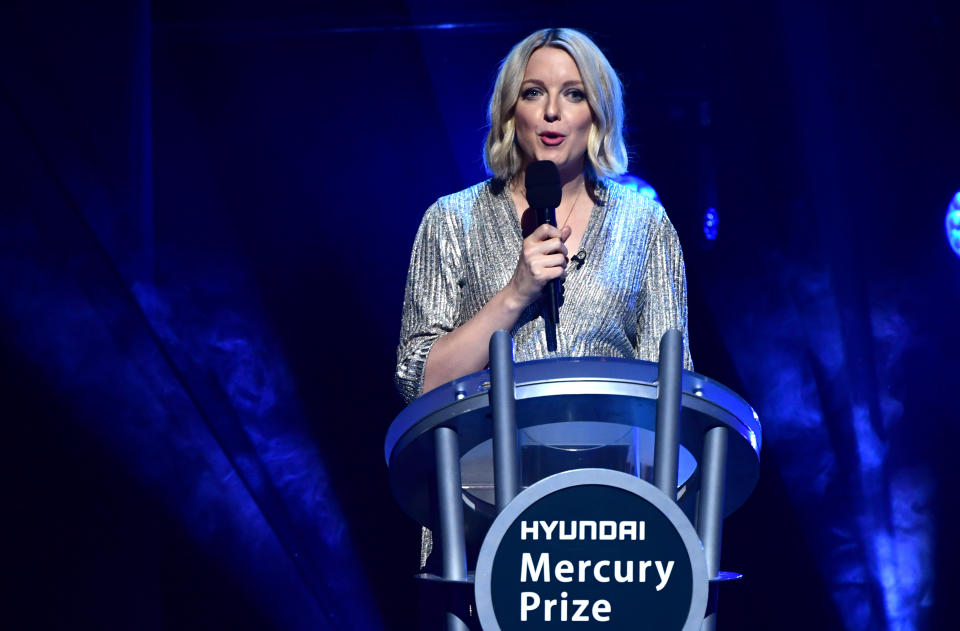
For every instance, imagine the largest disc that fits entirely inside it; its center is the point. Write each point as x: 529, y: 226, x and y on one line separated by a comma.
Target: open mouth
x: 551, y: 138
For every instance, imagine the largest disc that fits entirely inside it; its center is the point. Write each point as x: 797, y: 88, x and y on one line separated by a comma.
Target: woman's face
x: 552, y: 117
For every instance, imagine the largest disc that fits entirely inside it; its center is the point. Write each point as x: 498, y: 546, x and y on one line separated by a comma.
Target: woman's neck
x: 573, y: 186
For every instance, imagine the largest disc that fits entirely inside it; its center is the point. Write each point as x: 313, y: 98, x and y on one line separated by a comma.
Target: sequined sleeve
x: 430, y: 303
x: 663, y: 303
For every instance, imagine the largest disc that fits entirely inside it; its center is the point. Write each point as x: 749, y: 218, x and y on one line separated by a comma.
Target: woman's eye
x: 576, y: 95
x: 531, y: 93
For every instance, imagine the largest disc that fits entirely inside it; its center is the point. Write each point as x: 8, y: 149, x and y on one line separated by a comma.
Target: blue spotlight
x: 952, y: 223
x: 711, y: 221
x: 640, y: 185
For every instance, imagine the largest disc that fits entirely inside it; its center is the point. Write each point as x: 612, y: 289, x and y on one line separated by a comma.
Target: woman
x: 479, y: 264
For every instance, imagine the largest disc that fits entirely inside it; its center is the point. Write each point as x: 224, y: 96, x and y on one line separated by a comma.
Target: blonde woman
x: 479, y: 264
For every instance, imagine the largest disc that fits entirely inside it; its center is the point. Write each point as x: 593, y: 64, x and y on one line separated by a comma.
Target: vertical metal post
x: 506, y: 462
x: 666, y: 444
x: 710, y: 511
x: 452, y: 538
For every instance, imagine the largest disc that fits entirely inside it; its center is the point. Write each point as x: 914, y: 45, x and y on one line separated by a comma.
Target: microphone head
x: 543, y: 184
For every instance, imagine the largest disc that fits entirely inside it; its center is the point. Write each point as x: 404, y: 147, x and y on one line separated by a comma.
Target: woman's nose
x: 551, y: 111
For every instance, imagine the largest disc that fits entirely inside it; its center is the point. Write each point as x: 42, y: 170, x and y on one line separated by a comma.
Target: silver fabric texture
x: 630, y: 289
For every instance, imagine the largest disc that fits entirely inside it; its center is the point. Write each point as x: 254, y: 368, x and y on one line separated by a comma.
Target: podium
x: 471, y: 459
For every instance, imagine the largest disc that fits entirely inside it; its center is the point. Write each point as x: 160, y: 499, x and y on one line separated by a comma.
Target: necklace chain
x: 572, y: 208
x: 522, y: 190
x: 581, y: 255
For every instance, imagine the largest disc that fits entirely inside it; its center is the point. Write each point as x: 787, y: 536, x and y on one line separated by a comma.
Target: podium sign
x: 586, y: 546
x: 595, y: 547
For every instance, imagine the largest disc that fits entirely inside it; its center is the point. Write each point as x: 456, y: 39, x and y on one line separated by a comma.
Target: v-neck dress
x: 629, y: 289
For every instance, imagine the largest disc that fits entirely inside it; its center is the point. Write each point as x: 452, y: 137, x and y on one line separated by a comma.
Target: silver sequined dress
x: 628, y: 291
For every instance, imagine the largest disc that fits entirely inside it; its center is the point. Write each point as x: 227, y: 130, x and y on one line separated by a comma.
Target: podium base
x: 456, y: 594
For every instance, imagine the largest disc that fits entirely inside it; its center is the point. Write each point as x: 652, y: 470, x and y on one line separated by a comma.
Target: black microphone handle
x: 547, y: 215
x: 552, y: 315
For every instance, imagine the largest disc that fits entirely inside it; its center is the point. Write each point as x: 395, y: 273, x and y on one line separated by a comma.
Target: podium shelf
x: 570, y: 410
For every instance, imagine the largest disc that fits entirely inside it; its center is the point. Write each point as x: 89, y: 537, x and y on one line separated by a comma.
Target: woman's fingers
x: 555, y: 260
x: 550, y: 246
x: 548, y: 266
x: 546, y: 231
x: 544, y: 258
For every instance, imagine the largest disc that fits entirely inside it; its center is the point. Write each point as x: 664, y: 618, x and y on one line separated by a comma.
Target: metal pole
x: 667, y: 439
x: 710, y: 512
x: 506, y: 462
x: 452, y: 539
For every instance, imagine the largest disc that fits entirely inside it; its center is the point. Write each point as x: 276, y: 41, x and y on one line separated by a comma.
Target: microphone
x: 542, y: 181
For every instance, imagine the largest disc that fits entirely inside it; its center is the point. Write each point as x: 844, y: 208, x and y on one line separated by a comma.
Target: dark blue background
x: 206, y: 216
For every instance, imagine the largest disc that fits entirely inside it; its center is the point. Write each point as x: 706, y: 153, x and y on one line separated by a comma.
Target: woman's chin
x: 559, y: 155
x: 553, y: 154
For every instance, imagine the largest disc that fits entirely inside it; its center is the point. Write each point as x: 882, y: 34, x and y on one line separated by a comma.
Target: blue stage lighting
x: 711, y: 221
x: 640, y: 185
x: 952, y: 223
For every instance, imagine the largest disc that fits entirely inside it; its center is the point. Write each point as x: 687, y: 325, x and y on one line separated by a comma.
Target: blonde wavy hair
x: 606, y: 151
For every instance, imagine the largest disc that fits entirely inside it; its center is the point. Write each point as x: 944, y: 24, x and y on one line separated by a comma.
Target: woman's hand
x: 542, y: 259
x: 465, y: 349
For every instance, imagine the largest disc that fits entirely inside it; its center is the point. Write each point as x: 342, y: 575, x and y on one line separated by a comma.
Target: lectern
x: 579, y: 490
